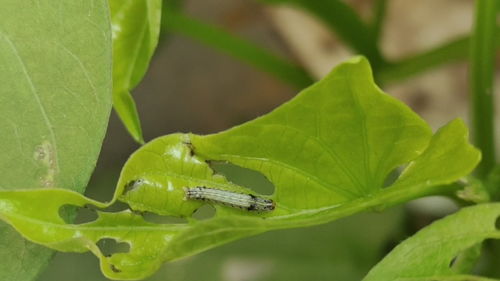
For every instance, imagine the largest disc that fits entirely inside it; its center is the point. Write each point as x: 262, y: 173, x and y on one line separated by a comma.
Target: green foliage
x: 136, y: 27
x: 327, y: 152
x: 429, y: 255
x: 55, y: 99
x: 336, y: 249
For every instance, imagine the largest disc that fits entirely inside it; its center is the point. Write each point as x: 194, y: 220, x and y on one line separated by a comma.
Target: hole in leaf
x: 68, y: 213
x: 159, y: 219
x: 85, y: 215
x: 110, y: 246
x: 487, y: 264
x: 115, y: 269
x: 133, y: 184
x: 244, y: 177
x: 77, y: 215
x: 392, y: 176
x: 453, y: 261
x: 466, y: 260
x: 204, y: 212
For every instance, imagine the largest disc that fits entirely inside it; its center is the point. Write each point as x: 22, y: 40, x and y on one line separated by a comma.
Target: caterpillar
x: 233, y: 199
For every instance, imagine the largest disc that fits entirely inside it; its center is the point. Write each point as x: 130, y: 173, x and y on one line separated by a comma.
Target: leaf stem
x: 379, y: 11
x: 452, y: 51
x: 481, y: 75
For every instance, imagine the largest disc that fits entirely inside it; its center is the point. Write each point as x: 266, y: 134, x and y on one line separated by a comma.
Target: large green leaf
x: 327, y: 152
x: 136, y: 27
x: 429, y: 255
x: 55, y: 99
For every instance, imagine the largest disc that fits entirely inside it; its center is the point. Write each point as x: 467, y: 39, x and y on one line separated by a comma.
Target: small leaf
x: 428, y: 254
x: 55, y: 100
x: 126, y: 109
x: 328, y: 153
x: 136, y: 27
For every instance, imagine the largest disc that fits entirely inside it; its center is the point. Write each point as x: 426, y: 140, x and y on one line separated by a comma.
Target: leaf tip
x: 461, y: 130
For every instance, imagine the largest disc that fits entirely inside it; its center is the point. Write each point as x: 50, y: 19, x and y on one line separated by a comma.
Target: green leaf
x: 136, y: 27
x: 237, y: 47
x: 428, y: 254
x: 335, y: 249
x: 55, y: 99
x: 327, y: 152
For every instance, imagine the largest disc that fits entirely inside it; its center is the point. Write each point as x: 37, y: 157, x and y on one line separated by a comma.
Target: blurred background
x: 191, y: 87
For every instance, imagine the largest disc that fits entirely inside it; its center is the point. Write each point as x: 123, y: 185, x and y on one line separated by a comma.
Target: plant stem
x: 379, y: 9
x: 455, y: 50
x: 237, y: 47
x: 481, y: 79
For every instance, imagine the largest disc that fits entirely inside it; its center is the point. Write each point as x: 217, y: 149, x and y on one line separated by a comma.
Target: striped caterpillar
x: 238, y: 200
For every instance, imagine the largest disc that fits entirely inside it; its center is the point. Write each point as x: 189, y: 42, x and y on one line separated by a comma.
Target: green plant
x: 328, y: 152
